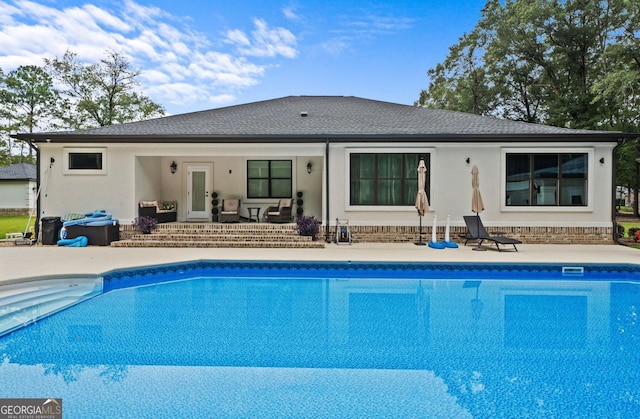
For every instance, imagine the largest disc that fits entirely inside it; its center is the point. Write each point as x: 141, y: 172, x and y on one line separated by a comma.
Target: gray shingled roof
x: 21, y: 171
x: 326, y: 117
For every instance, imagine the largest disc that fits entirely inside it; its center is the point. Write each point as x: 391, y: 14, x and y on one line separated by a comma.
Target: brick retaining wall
x: 528, y: 235
x: 15, y: 211
x: 410, y: 234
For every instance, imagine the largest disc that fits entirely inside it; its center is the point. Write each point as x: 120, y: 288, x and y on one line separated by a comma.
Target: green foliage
x: 15, y: 224
x: 460, y: 82
x: 572, y: 64
x: 28, y: 98
x: 626, y: 163
x: 98, y: 94
x: 102, y: 93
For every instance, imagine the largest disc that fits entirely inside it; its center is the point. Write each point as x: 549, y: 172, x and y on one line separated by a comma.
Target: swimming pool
x: 295, y: 339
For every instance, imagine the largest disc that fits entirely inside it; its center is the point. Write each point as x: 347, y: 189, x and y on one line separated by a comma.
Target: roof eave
x: 321, y: 138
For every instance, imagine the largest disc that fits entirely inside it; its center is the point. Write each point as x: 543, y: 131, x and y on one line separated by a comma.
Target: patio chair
x: 230, y: 212
x: 476, y: 231
x: 281, y: 214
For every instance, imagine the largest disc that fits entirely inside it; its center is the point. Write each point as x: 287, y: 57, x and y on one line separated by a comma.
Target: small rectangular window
x: 85, y: 161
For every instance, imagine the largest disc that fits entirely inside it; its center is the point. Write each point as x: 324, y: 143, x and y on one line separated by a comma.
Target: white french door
x: 198, y: 186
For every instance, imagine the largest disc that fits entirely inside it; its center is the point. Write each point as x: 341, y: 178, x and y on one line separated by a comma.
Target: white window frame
x: 590, y: 152
x: 65, y: 161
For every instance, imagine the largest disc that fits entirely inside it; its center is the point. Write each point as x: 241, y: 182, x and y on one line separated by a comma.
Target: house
x: 351, y: 158
x: 18, y: 187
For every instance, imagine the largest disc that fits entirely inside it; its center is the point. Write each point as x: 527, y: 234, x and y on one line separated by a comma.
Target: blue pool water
x: 293, y: 339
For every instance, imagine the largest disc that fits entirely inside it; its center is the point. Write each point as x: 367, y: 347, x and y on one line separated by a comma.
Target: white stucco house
x: 18, y: 183
x: 352, y: 158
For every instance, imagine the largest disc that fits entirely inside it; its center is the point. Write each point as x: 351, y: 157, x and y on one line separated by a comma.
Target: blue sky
x: 200, y: 54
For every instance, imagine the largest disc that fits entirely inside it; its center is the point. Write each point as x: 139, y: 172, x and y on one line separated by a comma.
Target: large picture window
x: 546, y: 179
x: 269, y: 178
x: 385, y: 178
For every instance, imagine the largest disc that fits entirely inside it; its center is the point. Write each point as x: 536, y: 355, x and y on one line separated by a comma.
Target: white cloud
x: 178, y: 64
x: 138, y: 14
x: 103, y: 18
x: 364, y: 28
x: 155, y: 77
x: 264, y: 41
x: 336, y: 46
x: 237, y: 37
x: 290, y: 12
x: 180, y: 94
x: 7, y: 11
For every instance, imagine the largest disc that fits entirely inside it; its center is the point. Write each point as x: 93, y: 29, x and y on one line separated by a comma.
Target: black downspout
x: 38, y: 186
x: 614, y: 168
x: 326, y: 180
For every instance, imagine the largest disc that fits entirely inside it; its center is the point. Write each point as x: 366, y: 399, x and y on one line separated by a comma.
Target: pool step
x: 24, y: 303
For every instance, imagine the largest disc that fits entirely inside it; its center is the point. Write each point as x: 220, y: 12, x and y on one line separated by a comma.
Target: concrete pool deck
x: 22, y: 262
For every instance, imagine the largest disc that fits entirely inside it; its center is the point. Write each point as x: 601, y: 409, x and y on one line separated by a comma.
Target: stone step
x: 263, y: 235
x: 211, y: 244
x: 226, y: 227
x: 204, y: 236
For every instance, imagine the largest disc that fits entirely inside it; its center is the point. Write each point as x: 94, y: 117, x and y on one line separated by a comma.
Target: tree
x: 5, y: 155
x: 542, y: 60
x: 102, y: 93
x: 566, y: 63
x: 460, y: 82
x: 27, y: 103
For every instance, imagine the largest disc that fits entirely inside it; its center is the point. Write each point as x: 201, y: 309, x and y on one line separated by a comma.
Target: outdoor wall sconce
x: 309, y: 167
x: 601, y: 160
x: 468, y: 160
x: 174, y: 167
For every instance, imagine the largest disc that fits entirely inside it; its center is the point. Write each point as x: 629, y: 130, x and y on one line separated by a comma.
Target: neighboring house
x: 18, y: 187
x: 352, y: 158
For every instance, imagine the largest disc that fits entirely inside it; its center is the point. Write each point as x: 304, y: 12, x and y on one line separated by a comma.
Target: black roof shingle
x: 324, y: 117
x: 20, y: 171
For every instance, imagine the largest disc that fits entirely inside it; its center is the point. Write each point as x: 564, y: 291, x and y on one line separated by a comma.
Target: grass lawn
x: 14, y: 224
x: 627, y: 221
x: 629, y: 224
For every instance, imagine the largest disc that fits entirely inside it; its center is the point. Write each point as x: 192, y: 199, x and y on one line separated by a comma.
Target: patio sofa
x: 163, y: 211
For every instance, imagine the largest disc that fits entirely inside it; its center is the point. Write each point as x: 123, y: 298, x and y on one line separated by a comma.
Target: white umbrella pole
x: 447, y: 241
x: 434, y: 238
x: 446, y: 230
x: 434, y: 244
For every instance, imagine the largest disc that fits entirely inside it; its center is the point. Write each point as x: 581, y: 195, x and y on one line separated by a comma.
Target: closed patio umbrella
x: 476, y: 199
x: 422, y: 201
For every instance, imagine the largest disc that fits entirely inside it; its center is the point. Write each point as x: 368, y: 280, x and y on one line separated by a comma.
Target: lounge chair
x: 281, y: 214
x: 230, y: 212
x: 479, y: 233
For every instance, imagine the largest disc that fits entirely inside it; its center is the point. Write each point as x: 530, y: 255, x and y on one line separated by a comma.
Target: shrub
x: 145, y: 224
x: 620, y: 228
x: 308, y: 225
